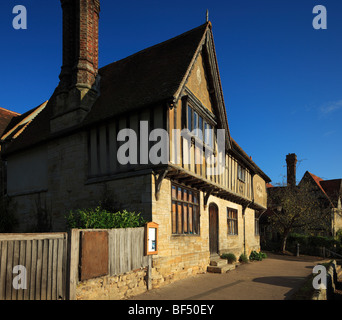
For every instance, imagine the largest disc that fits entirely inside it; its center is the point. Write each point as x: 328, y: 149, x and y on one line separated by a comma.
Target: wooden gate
x: 33, y: 266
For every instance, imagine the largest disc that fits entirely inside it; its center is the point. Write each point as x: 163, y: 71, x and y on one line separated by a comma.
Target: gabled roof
x: 333, y: 189
x: 147, y: 77
x: 20, y: 123
x: 152, y: 76
x: 5, y: 118
x: 330, y: 188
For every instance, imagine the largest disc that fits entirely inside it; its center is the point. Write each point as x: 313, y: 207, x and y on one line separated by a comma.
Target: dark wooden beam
x: 158, y: 178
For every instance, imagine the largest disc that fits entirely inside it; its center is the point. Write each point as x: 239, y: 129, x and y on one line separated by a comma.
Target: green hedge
x: 312, y: 241
x: 98, y: 218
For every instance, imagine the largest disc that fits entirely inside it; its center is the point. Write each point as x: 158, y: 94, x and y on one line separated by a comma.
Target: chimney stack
x: 78, y: 87
x: 291, y: 161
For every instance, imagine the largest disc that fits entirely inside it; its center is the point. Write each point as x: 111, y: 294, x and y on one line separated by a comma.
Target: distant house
x: 12, y: 125
x: 66, y: 153
x: 327, y: 192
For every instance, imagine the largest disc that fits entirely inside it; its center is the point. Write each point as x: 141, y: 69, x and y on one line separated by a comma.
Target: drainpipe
x: 244, y: 207
x: 244, y: 214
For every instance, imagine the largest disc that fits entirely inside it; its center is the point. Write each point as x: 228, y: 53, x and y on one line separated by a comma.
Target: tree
x: 297, y: 208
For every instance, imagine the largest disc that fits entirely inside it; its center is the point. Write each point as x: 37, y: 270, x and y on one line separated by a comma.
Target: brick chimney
x: 79, y: 80
x: 291, y: 161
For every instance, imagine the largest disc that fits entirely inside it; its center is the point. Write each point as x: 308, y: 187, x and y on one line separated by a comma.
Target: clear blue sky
x: 282, y: 80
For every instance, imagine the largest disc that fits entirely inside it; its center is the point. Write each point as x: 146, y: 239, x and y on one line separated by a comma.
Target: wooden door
x: 213, y: 229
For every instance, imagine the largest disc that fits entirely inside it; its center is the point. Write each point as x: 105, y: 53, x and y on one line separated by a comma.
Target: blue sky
x: 281, y: 78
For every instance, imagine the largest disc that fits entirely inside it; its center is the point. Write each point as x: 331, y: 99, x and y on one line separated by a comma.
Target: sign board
x: 151, y: 238
x: 259, y: 190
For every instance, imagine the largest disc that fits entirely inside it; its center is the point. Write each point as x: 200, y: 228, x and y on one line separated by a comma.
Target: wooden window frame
x: 241, y: 173
x: 232, y: 221
x: 192, y: 102
x: 200, y: 139
x: 192, y: 226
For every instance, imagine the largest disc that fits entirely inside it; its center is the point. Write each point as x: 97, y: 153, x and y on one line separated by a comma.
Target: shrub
x: 243, y: 258
x: 99, y: 218
x: 263, y: 255
x: 229, y: 256
x: 255, y: 256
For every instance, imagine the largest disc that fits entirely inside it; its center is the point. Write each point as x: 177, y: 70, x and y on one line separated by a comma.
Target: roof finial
x: 207, y: 15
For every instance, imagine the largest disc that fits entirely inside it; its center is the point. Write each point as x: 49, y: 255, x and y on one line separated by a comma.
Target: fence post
x: 149, y: 273
x: 73, y: 261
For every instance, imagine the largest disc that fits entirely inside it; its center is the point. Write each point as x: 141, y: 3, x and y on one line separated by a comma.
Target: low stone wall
x: 328, y: 293
x: 113, y: 287
x: 166, y: 270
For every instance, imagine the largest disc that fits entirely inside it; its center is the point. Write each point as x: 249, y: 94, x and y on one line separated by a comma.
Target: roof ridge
x: 10, y: 111
x: 315, y: 176
x: 318, y: 182
x: 157, y: 45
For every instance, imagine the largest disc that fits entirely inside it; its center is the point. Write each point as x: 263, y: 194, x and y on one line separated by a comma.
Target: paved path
x: 275, y: 278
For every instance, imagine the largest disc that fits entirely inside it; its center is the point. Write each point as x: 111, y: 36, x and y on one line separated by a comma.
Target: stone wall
x: 113, y: 287
x: 337, y: 220
x: 180, y: 256
x: 25, y: 208
x: 69, y: 188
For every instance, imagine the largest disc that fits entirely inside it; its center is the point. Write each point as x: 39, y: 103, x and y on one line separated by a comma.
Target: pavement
x: 276, y: 278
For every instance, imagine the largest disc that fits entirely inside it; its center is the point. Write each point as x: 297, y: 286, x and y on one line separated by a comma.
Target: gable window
x: 185, y: 218
x: 200, y: 127
x: 241, y: 173
x: 232, y: 220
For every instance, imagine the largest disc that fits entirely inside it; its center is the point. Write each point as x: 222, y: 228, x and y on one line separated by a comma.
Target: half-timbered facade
x: 151, y: 131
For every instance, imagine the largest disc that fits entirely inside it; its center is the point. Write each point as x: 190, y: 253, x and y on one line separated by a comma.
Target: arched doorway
x: 213, y: 229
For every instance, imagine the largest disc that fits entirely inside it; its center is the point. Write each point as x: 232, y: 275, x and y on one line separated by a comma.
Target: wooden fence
x: 54, y: 263
x: 124, y: 252
x: 42, y: 261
